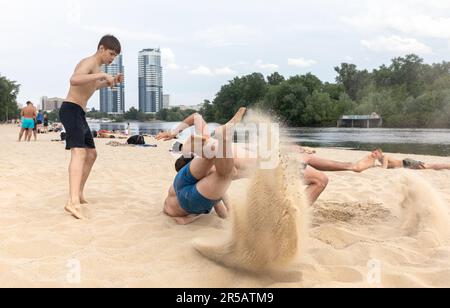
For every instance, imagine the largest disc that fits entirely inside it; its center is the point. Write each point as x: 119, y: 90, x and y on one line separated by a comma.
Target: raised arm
x: 83, y: 75
x: 106, y: 83
x: 196, y: 119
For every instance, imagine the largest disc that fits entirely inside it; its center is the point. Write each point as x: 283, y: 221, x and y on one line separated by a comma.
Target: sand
x: 382, y: 228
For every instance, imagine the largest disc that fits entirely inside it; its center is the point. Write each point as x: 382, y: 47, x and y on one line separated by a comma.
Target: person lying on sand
x: 389, y: 162
x: 106, y: 134
x: 375, y: 159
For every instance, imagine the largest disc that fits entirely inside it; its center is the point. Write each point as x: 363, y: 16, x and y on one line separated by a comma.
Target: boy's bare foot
x: 74, y: 210
x: 238, y: 116
x: 221, y: 210
x: 228, y: 128
x: 83, y: 200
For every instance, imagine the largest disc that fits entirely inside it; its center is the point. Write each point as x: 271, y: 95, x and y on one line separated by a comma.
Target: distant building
x: 51, y: 104
x: 185, y: 107
x: 361, y: 121
x: 112, y: 100
x: 150, y: 81
x: 166, y: 101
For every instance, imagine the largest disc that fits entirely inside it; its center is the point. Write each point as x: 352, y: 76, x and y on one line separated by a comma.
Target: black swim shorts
x: 78, y: 132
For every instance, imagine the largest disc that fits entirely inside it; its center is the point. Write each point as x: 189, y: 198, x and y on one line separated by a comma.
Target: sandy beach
x: 381, y: 228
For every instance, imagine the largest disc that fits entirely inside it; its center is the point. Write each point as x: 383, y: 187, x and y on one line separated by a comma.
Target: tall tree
x: 240, y: 92
x: 352, y: 79
x: 8, y: 99
x: 275, y: 79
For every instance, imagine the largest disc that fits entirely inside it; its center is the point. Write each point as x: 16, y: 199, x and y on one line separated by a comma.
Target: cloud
x: 169, y: 59
x: 396, y: 44
x: 266, y: 66
x: 206, y: 71
x: 201, y: 71
x: 122, y: 34
x: 301, y: 62
x: 224, y: 71
x: 230, y: 35
x: 349, y: 58
x: 412, y: 18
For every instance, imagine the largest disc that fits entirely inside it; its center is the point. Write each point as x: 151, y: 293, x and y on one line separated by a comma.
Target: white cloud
x: 224, y: 71
x: 266, y: 66
x: 201, y: 71
x: 301, y: 62
x: 169, y: 59
x: 226, y: 36
x: 348, y: 58
x: 206, y: 71
x: 124, y: 34
x: 413, y: 18
x: 396, y: 44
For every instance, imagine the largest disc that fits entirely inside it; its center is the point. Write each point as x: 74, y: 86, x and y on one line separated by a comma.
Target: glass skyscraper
x: 112, y: 101
x: 150, y: 81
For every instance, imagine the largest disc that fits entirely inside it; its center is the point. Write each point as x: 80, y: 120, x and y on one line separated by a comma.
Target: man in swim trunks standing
x: 28, y: 115
x: 86, y: 79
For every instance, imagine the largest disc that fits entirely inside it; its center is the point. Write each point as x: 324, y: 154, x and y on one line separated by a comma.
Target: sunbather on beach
x: 375, y: 159
x: 389, y: 162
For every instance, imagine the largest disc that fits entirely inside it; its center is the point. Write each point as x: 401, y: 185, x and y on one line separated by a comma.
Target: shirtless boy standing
x: 86, y: 79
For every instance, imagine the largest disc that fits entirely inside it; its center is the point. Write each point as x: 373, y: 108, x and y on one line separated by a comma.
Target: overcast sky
x: 206, y: 43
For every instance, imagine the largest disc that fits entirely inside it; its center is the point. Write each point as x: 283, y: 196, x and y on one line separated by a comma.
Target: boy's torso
x: 81, y: 94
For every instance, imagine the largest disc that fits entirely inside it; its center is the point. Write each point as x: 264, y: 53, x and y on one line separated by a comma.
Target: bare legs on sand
x: 214, y: 185
x: 79, y: 170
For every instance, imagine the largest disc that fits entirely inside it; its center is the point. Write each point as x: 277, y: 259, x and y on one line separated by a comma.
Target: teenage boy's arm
x: 105, y: 83
x: 188, y: 122
x: 385, y: 162
x: 83, y: 76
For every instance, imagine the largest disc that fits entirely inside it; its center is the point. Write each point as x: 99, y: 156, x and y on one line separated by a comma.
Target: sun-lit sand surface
x: 388, y: 222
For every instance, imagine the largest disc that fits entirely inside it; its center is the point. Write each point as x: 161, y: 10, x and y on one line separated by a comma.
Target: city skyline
x: 214, y: 43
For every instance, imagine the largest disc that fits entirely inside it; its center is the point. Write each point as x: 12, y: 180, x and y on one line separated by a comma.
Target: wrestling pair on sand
x: 208, y: 167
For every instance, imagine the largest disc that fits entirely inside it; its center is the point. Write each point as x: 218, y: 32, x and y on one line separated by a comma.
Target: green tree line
x: 407, y: 93
x: 8, y: 99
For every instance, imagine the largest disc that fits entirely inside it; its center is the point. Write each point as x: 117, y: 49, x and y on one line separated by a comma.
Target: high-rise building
x: 51, y: 104
x: 112, y: 100
x: 150, y: 81
x: 166, y: 103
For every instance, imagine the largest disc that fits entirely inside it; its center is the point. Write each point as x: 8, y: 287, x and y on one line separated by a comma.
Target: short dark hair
x: 182, y: 162
x: 29, y: 103
x: 110, y: 42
